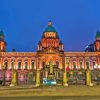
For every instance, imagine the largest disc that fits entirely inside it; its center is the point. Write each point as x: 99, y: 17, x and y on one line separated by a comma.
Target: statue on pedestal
x: 51, y: 74
x: 88, y: 77
x: 14, y: 77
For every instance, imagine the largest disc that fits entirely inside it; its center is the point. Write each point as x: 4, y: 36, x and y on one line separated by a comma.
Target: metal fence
x: 95, y: 76
x: 25, y: 77
x: 29, y: 77
x: 76, y: 77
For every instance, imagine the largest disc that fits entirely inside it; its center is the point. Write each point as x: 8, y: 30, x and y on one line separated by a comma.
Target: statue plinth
x: 51, y: 77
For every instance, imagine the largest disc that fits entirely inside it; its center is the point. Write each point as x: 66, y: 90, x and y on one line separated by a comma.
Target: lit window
x: 6, y: 65
x: 87, y: 65
x: 19, y: 65
x: 26, y: 65
x: 32, y: 65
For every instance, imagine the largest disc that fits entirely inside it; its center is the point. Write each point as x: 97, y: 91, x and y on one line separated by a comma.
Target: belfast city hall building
x: 50, y: 64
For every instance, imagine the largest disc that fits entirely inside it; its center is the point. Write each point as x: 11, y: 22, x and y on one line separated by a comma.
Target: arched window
x: 87, y: 65
x: 43, y: 64
x: 94, y: 64
x: 12, y: 65
x: 67, y: 63
x: 57, y: 64
x: 32, y: 65
x: 19, y: 65
x: 26, y: 65
x: 80, y: 64
x: 6, y: 64
x: 74, y: 65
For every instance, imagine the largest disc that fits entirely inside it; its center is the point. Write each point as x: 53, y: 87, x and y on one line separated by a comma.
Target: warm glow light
x: 98, y: 66
x: 95, y: 66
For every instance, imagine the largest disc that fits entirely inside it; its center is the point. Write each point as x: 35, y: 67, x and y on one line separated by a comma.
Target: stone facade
x: 49, y: 49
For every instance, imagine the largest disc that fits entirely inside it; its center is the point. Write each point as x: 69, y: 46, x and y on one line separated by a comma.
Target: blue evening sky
x: 24, y: 21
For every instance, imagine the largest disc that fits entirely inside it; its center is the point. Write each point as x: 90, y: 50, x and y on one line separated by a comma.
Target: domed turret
x: 61, y: 46
x: 97, y: 42
x: 50, y: 28
x: 97, y: 35
x: 1, y: 35
x: 2, y: 42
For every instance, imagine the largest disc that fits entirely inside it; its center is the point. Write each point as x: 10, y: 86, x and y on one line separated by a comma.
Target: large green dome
x: 1, y: 33
x: 97, y: 34
x: 50, y: 28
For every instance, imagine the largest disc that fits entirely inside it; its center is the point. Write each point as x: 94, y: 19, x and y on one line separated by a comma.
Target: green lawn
x: 72, y: 90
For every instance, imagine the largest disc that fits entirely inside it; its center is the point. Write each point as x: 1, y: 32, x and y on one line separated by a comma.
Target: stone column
x: 29, y: 64
x: 78, y: 64
x: 64, y: 72
x: 98, y: 59
x: 16, y: 64
x: 71, y: 62
x: 46, y: 73
x: 0, y: 63
x: 84, y: 63
x: 22, y: 64
x: 37, y: 73
x: 9, y: 63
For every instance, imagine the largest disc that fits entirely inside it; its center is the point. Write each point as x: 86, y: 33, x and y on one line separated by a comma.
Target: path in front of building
x: 51, y: 92
x: 51, y: 98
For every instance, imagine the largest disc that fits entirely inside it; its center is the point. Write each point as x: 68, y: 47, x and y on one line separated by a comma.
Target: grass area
x: 72, y: 90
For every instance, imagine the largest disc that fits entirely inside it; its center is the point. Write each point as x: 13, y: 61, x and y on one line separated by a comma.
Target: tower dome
x: 2, y: 42
x: 1, y: 33
x: 50, y: 28
x: 97, y: 34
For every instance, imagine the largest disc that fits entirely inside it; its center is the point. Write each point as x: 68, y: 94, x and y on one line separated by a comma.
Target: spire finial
x: 49, y: 23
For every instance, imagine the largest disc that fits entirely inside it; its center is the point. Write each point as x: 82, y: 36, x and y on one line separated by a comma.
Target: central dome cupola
x: 50, y: 41
x: 50, y: 28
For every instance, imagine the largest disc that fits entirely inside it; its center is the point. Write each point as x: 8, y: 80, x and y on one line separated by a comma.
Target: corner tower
x: 2, y: 42
x: 50, y: 42
x: 97, y: 42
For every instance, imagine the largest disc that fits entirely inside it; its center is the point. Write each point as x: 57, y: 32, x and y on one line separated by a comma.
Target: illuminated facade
x: 49, y: 49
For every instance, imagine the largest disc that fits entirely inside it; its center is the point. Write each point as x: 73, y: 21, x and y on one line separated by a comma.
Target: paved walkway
x: 51, y: 98
x: 18, y: 87
x: 31, y: 90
